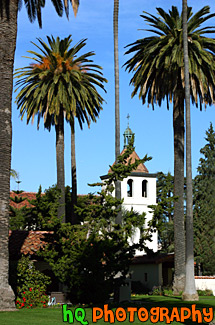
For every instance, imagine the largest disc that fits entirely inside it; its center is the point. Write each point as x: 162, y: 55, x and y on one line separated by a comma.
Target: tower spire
x: 127, y: 134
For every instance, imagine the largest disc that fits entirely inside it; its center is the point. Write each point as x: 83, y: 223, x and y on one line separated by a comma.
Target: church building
x: 138, y: 191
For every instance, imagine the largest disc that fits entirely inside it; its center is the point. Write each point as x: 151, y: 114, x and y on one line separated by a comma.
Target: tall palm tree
x: 8, y: 32
x: 158, y: 66
x: 190, y: 292
x: 60, y: 84
x: 117, y: 115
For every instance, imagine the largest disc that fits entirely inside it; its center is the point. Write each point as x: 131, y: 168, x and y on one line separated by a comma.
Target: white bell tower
x: 139, y: 191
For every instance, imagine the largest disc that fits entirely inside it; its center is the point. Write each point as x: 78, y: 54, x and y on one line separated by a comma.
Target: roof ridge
x: 133, y: 156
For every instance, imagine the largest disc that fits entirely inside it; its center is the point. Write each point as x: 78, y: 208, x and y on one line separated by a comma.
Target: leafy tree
x: 163, y: 212
x: 18, y: 216
x: 204, y: 206
x: 87, y: 257
x: 41, y: 216
x: 158, y: 66
x: 8, y: 32
x: 59, y: 84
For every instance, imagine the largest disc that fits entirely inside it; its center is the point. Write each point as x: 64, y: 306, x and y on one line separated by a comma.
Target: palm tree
x: 60, y: 84
x: 14, y: 174
x: 158, y: 66
x: 190, y: 292
x: 8, y: 32
x: 117, y: 115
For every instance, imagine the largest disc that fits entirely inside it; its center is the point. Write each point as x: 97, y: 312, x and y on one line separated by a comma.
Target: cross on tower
x: 128, y: 117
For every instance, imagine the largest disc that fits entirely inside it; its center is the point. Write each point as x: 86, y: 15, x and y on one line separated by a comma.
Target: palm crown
x: 158, y: 63
x: 34, y: 7
x: 60, y: 80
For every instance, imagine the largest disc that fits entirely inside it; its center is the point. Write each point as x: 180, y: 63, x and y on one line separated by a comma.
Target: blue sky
x: 33, y: 151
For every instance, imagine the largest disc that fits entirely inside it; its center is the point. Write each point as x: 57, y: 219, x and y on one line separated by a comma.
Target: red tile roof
x: 155, y: 258
x: 25, y: 242
x: 205, y: 277
x: 28, y: 196
x: 140, y: 169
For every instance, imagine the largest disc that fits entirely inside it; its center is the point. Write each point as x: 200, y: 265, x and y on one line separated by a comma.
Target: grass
x: 53, y: 316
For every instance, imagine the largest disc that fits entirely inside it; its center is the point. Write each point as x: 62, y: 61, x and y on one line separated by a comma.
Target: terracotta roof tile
x: 25, y: 242
x: 140, y: 169
x: 205, y: 277
x: 28, y: 197
x: 155, y: 258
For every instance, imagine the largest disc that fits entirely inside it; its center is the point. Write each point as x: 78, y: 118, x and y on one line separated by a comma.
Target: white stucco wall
x: 153, y: 271
x: 205, y: 282
x: 137, y: 198
x: 140, y: 204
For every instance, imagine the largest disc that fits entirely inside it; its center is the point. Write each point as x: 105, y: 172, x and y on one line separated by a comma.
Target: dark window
x: 144, y: 188
x: 145, y: 277
x: 129, y: 188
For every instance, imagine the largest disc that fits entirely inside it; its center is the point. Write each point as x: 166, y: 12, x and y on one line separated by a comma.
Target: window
x: 145, y: 277
x: 144, y: 188
x: 130, y: 188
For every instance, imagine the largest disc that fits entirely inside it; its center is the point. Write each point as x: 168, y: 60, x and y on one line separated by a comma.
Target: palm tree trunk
x: 60, y: 164
x: 190, y: 293
x: 179, y: 233
x: 117, y: 115
x: 73, y: 170
x: 8, y: 32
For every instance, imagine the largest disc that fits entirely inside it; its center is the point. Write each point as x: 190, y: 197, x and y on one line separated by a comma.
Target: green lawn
x: 53, y: 316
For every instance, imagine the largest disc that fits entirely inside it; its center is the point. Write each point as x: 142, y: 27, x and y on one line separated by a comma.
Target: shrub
x: 31, y: 285
x: 206, y: 292
x: 167, y: 291
x: 157, y: 291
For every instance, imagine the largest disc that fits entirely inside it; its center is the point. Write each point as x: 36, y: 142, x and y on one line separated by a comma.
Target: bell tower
x: 138, y: 191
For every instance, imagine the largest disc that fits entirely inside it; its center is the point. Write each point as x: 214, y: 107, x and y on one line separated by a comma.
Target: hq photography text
x: 154, y: 314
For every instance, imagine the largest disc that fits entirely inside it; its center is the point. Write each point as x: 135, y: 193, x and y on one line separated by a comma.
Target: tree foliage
x: 42, y: 215
x: 34, y: 7
x: 59, y: 79
x: 31, y: 285
x: 18, y: 216
x: 204, y: 206
x: 163, y: 212
x: 158, y: 62
x: 93, y: 258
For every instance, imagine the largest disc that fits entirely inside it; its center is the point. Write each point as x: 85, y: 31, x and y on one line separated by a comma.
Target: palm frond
x: 68, y: 81
x: 157, y: 62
